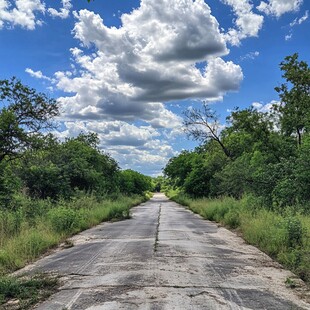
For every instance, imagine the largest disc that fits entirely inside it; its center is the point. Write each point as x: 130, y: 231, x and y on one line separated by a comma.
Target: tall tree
x: 295, y: 98
x: 178, y: 167
x: 250, y: 130
x: 24, y: 116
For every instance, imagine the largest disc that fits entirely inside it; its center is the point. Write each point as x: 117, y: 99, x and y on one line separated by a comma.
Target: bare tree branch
x: 203, y: 125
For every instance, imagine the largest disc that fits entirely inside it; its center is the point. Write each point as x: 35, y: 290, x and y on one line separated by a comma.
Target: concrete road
x: 166, y: 257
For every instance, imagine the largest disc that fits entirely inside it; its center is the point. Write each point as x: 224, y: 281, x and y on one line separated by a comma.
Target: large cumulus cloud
x: 157, y: 55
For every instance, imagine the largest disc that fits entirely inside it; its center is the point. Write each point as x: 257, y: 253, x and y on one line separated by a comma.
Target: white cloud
x: 247, y: 23
x: 288, y: 36
x: 21, y: 13
x: 250, y: 55
x: 299, y: 21
x: 112, y: 132
x: 127, y: 74
x: 137, y: 68
x: 265, y: 108
x: 296, y: 22
x: 148, y: 161
x: 27, y: 13
x: 279, y: 7
x: 166, y: 119
x: 63, y: 12
x: 174, y: 133
x: 38, y: 74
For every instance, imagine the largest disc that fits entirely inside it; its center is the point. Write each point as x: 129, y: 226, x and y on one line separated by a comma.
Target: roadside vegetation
x: 51, y: 189
x: 40, y: 225
x: 22, y: 293
x: 254, y: 175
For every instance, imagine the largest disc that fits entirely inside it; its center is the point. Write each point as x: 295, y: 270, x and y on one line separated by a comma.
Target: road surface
x: 165, y: 257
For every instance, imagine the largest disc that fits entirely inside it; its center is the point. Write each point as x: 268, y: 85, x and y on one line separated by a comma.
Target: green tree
x: 294, y: 109
x: 259, y: 151
x: 235, y: 178
x: 133, y: 182
x: 194, y: 171
x: 86, y: 167
x: 178, y: 167
x: 43, y: 176
x: 76, y: 164
x: 23, y: 118
x: 249, y: 130
x: 197, y: 182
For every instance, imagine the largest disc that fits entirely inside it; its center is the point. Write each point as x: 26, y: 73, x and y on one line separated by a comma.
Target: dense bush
x: 60, y: 169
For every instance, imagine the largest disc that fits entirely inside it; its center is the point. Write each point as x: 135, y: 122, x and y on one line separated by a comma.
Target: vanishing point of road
x: 165, y: 257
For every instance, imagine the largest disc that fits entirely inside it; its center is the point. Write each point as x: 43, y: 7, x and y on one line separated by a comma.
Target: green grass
x: 27, y: 233
x: 284, y: 236
x: 25, y: 292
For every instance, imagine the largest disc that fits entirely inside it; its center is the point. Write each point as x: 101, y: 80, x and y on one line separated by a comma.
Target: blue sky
x: 128, y: 69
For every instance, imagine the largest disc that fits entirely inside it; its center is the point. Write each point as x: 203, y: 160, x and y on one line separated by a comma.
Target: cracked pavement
x: 166, y: 257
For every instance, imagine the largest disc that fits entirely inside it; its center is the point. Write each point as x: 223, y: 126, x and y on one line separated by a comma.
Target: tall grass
x: 36, y: 226
x: 284, y: 235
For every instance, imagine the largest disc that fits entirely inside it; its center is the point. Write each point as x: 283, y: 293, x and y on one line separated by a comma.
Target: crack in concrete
x: 78, y: 275
x: 157, y: 230
x: 216, y: 297
x: 198, y: 294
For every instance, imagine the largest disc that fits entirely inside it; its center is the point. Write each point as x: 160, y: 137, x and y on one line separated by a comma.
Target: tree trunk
x: 298, y: 137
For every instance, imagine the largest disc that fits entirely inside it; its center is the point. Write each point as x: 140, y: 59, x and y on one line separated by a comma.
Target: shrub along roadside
x: 284, y: 236
x: 24, y: 237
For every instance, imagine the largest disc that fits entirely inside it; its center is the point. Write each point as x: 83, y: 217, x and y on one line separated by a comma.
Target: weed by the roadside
x: 289, y: 282
x: 63, y: 219
x: 21, y: 293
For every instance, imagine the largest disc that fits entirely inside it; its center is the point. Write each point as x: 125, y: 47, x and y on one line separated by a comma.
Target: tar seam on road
x: 157, y: 230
